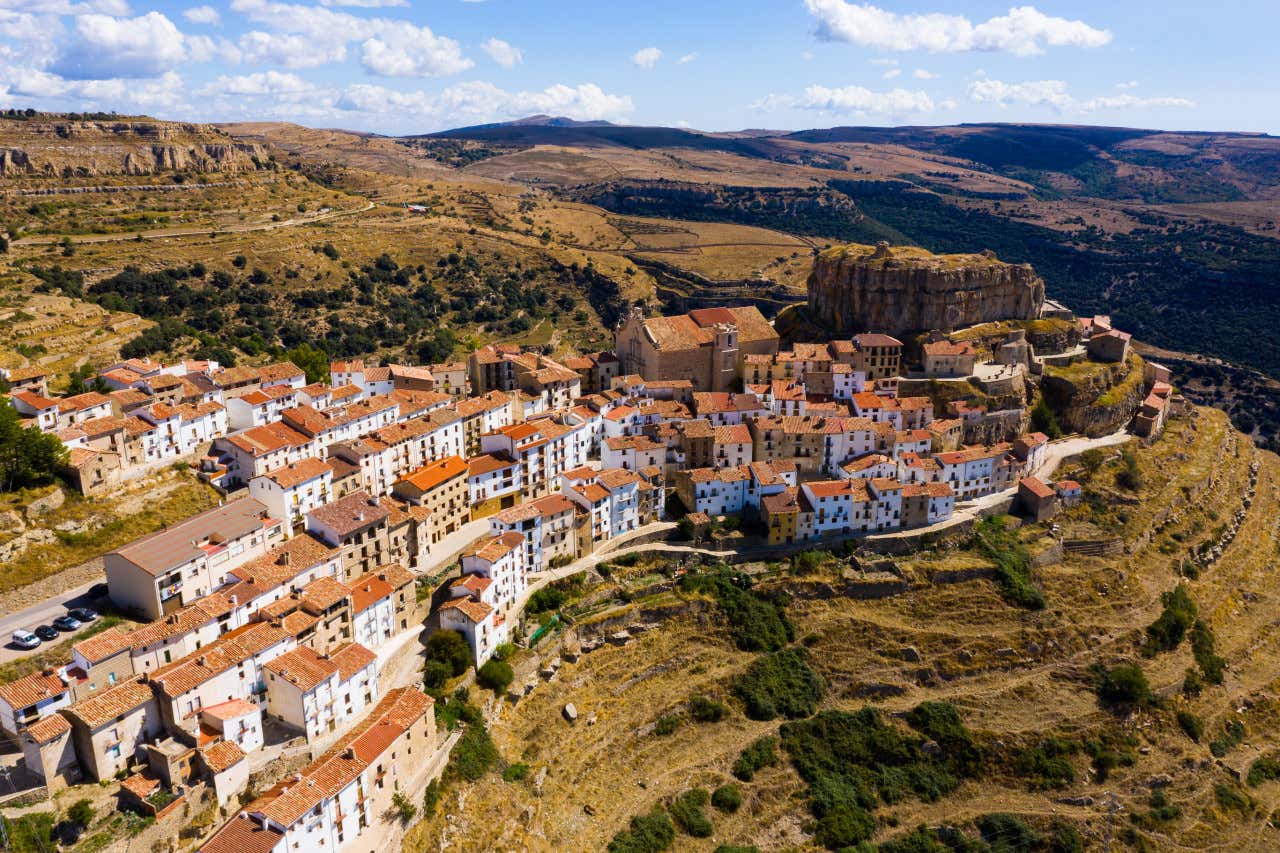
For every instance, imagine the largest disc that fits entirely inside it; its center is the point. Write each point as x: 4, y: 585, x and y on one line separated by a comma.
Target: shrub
x: 517, y: 772
x: 1212, y: 666
x: 1047, y: 764
x: 1043, y: 420
x: 403, y: 807
x: 431, y: 798
x: 940, y: 722
x: 474, y: 754
x: 450, y: 648
x: 1192, y: 684
x: 843, y: 826
x: 495, y: 675
x: 763, y: 752
x: 1129, y: 476
x: 647, y: 834
x: 854, y: 761
x: 1179, y: 614
x: 1191, y: 725
x: 1122, y: 687
x: 546, y: 599
x: 1232, y: 798
x: 504, y: 651
x: 689, y: 812
x: 1007, y: 833
x: 706, y: 710
x: 727, y: 798
x: 1232, y: 736
x: 435, y: 673
x: 758, y: 624
x: 666, y: 724
x: 1013, y: 563
x: 81, y: 813
x: 779, y: 684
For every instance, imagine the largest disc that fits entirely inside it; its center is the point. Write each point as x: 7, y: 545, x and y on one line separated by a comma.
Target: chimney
x: 349, y: 753
x: 48, y: 670
x: 200, y: 660
x: 359, y: 516
x: 283, y: 559
x: 373, y: 502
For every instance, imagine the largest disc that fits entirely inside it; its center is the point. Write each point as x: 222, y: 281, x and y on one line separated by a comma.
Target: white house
x: 318, y: 693
x: 289, y: 493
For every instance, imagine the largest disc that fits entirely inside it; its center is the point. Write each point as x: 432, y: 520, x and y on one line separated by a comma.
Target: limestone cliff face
x: 53, y: 148
x: 862, y: 288
x: 1097, y: 399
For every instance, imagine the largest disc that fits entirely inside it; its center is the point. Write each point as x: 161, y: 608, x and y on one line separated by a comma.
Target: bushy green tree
x: 28, y: 457
x: 451, y: 648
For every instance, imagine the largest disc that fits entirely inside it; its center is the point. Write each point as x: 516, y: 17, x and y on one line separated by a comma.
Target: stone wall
x: 859, y: 288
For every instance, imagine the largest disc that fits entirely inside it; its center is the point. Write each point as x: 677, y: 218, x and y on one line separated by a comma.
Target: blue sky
x: 407, y: 66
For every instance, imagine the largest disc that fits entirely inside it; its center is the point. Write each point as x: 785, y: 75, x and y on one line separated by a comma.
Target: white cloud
x: 806, y: 55
x: 1054, y: 94
x: 891, y: 73
x: 851, y: 99
x: 1051, y: 93
x: 63, y: 7
x: 163, y: 92
x: 262, y: 83
x: 203, y: 15
x: 502, y: 53
x: 480, y: 101
x: 922, y: 74
x: 404, y: 50
x: 686, y: 59
x: 105, y: 47
x: 290, y: 50
x: 1024, y: 31
x: 1128, y: 84
x: 646, y: 57
x: 1113, y: 102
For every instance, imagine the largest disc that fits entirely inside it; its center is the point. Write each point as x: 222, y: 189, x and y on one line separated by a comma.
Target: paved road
x: 192, y: 232
x: 41, y: 614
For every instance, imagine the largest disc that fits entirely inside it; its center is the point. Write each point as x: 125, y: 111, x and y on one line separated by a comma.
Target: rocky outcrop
x: 1095, y: 399
x: 53, y: 148
x: 862, y: 288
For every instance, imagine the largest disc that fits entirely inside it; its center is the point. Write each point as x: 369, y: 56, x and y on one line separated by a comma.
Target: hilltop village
x: 389, y: 496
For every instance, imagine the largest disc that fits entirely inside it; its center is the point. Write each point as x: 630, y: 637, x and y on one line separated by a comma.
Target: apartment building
x: 174, y: 567
x: 316, y: 693
x: 336, y: 801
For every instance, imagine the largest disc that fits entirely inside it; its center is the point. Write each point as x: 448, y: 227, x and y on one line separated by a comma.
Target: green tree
x: 495, y: 675
x: 313, y: 361
x: 28, y: 457
x: 451, y: 648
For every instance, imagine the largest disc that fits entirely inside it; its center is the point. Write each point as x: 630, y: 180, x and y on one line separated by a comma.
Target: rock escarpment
x: 49, y: 147
x: 862, y: 288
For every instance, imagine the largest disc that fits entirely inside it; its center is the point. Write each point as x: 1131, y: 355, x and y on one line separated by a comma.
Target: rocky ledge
x: 859, y: 288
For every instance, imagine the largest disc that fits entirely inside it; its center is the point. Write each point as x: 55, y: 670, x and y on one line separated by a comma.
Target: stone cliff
x: 49, y: 147
x: 863, y: 288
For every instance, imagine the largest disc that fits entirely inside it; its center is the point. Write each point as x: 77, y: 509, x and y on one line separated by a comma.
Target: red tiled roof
x: 33, y: 688
x: 222, y: 756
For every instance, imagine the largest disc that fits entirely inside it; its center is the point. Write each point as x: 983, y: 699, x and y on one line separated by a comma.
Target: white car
x: 24, y: 639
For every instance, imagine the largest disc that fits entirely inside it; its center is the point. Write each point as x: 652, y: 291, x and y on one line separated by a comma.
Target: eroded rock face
x: 51, y: 148
x: 863, y: 288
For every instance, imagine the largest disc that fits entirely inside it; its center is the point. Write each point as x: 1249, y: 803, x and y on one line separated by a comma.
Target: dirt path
x: 193, y: 232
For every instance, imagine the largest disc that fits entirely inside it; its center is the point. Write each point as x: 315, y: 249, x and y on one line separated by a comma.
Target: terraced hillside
x: 1201, y: 511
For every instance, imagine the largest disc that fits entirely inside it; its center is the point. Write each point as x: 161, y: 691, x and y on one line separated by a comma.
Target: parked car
x: 24, y: 639
x: 66, y: 623
x: 47, y: 632
x: 84, y: 615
